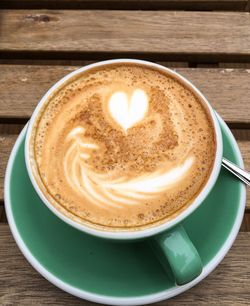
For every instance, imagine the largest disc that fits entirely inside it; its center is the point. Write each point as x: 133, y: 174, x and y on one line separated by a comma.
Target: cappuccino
x: 122, y: 147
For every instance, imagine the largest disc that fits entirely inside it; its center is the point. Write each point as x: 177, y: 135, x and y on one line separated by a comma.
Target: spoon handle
x: 243, y: 175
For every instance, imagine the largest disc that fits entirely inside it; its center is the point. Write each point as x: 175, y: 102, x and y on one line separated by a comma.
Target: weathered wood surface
x: 245, y: 226
x: 7, y: 142
x: 22, y: 86
x: 21, y: 285
x: 209, y: 34
x: 45, y: 33
x: 2, y: 213
x: 128, y: 4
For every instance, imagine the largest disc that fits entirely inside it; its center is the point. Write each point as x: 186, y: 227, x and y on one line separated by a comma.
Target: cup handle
x: 174, y: 248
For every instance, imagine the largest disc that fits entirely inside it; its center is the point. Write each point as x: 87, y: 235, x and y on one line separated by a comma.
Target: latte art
x: 117, y: 192
x: 128, y: 112
x: 122, y: 147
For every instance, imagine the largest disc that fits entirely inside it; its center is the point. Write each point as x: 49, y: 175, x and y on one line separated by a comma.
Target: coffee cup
x: 166, y: 236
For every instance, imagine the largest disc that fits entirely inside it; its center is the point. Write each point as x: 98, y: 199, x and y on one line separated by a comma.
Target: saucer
x: 111, y: 272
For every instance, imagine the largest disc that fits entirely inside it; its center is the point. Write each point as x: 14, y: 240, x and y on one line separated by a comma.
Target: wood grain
x: 10, y: 129
x: 241, y: 134
x: 3, y: 217
x: 7, y: 142
x: 234, y: 65
x: 22, y: 86
x: 21, y: 285
x: 204, y: 34
x: 127, y: 4
x: 2, y: 213
x: 245, y: 226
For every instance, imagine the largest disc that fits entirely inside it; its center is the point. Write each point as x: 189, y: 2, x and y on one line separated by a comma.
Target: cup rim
x: 135, y: 234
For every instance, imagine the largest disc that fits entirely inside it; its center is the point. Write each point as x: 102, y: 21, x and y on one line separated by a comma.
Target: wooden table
x: 207, y: 41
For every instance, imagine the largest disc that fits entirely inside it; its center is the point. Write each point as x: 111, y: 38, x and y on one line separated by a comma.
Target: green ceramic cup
x: 169, y: 241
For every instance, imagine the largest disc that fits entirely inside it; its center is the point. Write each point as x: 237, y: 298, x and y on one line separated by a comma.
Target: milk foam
x: 127, y: 112
x: 120, y: 192
x: 128, y: 147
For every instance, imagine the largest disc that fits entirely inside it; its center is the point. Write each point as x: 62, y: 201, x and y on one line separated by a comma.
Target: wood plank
x: 22, y: 86
x: 2, y: 213
x: 127, y: 4
x: 241, y: 134
x: 22, y: 285
x: 7, y: 142
x: 10, y: 129
x: 3, y: 217
x: 225, y: 90
x: 199, y: 34
x: 234, y: 65
x: 245, y: 226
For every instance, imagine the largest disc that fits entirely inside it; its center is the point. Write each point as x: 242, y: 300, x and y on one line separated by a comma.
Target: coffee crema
x: 122, y: 147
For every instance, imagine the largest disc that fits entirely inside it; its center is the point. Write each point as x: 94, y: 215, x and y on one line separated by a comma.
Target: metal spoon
x: 243, y: 175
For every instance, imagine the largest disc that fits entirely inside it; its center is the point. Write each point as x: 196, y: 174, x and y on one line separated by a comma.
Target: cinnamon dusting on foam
x: 122, y: 191
x: 128, y: 147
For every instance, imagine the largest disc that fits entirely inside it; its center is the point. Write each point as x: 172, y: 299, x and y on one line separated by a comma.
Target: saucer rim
x: 110, y: 300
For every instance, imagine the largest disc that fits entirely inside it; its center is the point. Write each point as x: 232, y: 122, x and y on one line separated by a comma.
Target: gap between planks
x: 195, y: 5
x: 86, y: 61
x: 194, y: 59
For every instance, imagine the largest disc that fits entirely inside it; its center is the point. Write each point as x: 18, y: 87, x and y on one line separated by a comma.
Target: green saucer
x: 113, y: 272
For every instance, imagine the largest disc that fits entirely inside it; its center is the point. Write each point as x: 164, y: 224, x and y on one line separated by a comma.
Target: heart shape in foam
x: 127, y: 112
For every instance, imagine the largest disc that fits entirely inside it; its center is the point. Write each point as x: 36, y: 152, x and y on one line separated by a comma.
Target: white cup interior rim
x: 135, y: 234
